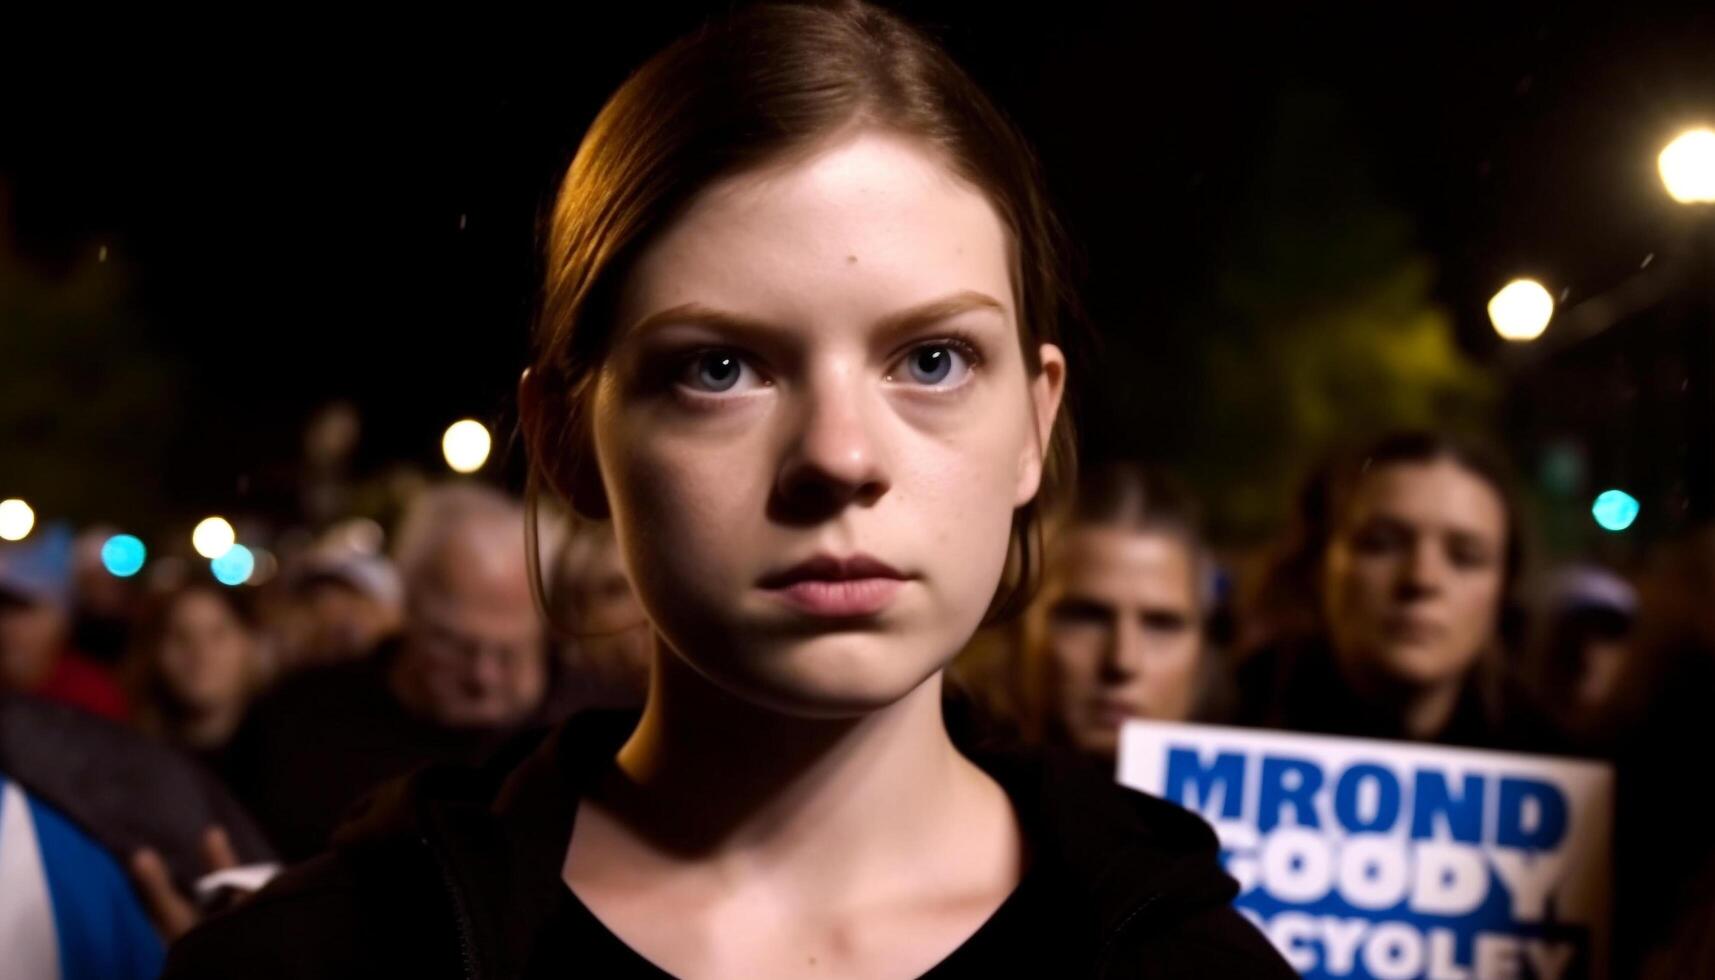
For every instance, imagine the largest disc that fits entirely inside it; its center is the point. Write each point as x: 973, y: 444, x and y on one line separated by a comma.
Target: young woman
x: 1117, y: 631
x: 1385, y: 609
x: 799, y: 344
x: 197, y: 663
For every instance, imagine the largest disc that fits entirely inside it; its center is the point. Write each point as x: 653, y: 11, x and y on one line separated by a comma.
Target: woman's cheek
x: 1479, y: 612
x: 673, y: 508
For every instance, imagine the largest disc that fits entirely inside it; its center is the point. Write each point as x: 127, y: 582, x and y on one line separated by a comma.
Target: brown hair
x: 1137, y: 497
x: 759, y: 86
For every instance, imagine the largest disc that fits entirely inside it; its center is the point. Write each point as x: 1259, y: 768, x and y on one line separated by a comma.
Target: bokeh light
x: 1615, y: 510
x: 123, y: 555
x: 1521, y: 310
x: 234, y: 567
x: 16, y: 519
x: 213, y: 537
x: 1688, y: 167
x: 466, y: 445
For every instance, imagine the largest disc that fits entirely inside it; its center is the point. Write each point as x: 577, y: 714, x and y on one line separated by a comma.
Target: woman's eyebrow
x: 936, y: 310
x: 696, y: 314
x: 903, y: 321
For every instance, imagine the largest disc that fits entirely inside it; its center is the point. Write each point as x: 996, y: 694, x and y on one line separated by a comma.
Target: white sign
x: 1388, y: 860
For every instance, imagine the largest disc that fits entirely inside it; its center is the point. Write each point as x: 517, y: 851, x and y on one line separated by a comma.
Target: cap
x: 38, y: 569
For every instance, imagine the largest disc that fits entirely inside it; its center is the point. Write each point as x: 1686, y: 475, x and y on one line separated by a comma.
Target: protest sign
x: 1363, y: 858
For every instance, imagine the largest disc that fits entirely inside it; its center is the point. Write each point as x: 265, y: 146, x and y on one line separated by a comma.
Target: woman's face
x: 815, y: 424
x: 206, y: 652
x: 1122, y: 632
x: 1414, y: 574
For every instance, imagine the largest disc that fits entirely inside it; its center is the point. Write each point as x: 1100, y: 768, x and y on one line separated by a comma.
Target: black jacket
x: 325, y: 737
x: 1296, y: 686
x: 451, y: 873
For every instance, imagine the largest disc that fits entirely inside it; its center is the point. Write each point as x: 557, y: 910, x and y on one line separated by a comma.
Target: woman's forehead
x: 863, y: 229
x: 1438, y: 493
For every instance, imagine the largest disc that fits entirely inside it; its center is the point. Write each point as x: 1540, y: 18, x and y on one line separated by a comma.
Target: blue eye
x: 930, y: 365
x: 714, y: 371
x: 937, y: 365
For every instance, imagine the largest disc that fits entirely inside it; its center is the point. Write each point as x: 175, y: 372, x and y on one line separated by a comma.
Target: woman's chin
x: 827, y: 678
x: 1422, y: 666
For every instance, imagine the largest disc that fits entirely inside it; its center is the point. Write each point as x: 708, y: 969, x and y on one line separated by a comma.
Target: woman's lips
x: 839, y: 598
x: 1112, y: 714
x: 1412, y: 629
x: 825, y: 585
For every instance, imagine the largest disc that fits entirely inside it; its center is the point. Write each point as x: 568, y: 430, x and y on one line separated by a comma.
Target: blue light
x: 234, y: 567
x: 123, y: 556
x: 1615, y: 510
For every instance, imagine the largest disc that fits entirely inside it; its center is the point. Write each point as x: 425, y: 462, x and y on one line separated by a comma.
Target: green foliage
x: 1322, y: 329
x: 86, y: 407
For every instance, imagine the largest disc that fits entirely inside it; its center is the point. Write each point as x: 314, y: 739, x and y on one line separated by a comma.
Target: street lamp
x: 1688, y: 167
x: 213, y: 537
x: 466, y: 445
x: 16, y: 519
x: 1521, y: 310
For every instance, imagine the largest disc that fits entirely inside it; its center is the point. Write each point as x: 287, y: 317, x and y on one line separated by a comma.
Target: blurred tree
x: 1320, y: 328
x: 86, y: 406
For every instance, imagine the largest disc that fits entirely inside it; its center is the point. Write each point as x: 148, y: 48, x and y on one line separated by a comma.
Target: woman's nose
x: 834, y: 458
x: 1424, y: 569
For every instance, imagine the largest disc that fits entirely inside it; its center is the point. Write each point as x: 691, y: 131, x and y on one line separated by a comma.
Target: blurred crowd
x: 240, y: 726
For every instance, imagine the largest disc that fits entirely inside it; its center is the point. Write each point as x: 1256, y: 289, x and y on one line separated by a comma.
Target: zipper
x: 1119, y: 930
x: 461, y: 918
x: 1163, y: 887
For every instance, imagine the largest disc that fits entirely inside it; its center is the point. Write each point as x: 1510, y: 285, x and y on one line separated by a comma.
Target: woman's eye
x: 1374, y: 539
x: 717, y: 372
x: 937, y: 365
x: 1469, y: 554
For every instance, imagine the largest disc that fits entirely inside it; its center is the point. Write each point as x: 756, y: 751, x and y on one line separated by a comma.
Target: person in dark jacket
x: 801, y: 342
x: 1383, y: 615
x: 469, y: 669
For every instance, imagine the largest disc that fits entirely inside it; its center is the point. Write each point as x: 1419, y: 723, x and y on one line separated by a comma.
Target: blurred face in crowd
x: 1122, y: 633
x: 473, y: 651
x: 815, y: 424
x: 610, y: 650
x: 1414, y: 575
x: 31, y: 636
x: 341, y: 622
x: 1593, y: 644
x: 207, y: 655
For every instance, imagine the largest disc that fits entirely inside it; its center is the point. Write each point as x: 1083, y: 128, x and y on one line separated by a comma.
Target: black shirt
x: 455, y: 873
x: 573, y: 942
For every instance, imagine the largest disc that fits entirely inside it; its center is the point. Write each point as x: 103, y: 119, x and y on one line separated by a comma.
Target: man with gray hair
x: 469, y: 667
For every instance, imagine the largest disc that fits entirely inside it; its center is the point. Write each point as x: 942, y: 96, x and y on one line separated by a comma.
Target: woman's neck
x: 1424, y: 710
x: 711, y: 779
x: 1427, y: 711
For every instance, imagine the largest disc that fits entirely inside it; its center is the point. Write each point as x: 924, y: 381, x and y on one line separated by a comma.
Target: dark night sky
x: 289, y: 200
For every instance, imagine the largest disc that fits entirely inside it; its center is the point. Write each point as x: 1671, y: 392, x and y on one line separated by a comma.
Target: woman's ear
x: 563, y: 452
x: 1046, y: 391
